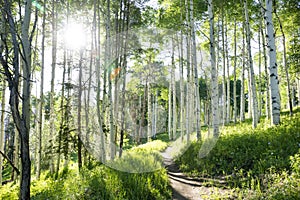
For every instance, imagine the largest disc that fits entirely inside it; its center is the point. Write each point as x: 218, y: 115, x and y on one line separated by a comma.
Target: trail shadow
x: 186, y: 181
x: 177, y: 196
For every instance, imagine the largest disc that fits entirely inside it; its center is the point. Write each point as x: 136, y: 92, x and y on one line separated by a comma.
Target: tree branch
x: 34, y: 26
x: 10, y: 162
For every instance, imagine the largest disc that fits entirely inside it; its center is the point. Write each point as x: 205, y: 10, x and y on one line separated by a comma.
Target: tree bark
x: 116, y: 51
x: 53, y: 66
x: 108, y: 63
x: 188, y: 54
x: 217, y: 52
x: 228, y: 76
x: 21, y: 119
x: 98, y: 74
x: 62, y: 111
x: 267, y: 107
x: 155, y: 111
x: 259, y: 76
x: 242, y: 109
x: 181, y: 79
x: 250, y: 105
x: 40, y: 124
x: 2, y: 131
x: 16, y: 156
x: 286, y: 68
x: 149, y: 110
x: 124, y: 71
x: 196, y: 81
x: 224, y: 112
x: 3, y: 102
x: 234, y: 75
x: 25, y: 123
x: 174, y: 104
x: 170, y: 132
x: 214, y: 74
x: 251, y: 70
x: 79, y: 142
x: 274, y: 82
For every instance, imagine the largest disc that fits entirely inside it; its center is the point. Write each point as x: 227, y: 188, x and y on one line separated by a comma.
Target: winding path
x: 184, y: 187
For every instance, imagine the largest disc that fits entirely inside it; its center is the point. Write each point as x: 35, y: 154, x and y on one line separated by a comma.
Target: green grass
x: 249, y: 164
x: 100, y: 182
x: 103, y: 182
x: 142, y: 158
x: 262, y: 162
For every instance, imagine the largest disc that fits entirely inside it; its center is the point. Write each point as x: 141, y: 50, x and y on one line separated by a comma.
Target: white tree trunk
x: 124, y: 72
x: 214, y: 74
x: 181, y: 78
x: 25, y: 128
x: 3, y: 86
x: 41, y: 103
x: 79, y: 143
x: 16, y: 153
x: 219, y: 28
x: 174, y: 110
x: 259, y: 76
x: 181, y: 87
x: 224, y: 114
x: 53, y: 66
x: 249, y: 96
x: 170, y: 111
x: 274, y: 89
x: 100, y: 118
x: 196, y: 81
x: 2, y: 127
x: 267, y: 107
x: 110, y: 97
x: 251, y: 70
x: 234, y: 75
x: 228, y: 76
x: 154, y: 115
x: 188, y: 55
x: 149, y: 111
x: 242, y: 108
x: 286, y: 68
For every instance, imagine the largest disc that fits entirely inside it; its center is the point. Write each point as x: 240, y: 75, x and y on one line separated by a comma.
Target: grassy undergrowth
x: 254, y: 164
x: 142, y: 158
x: 98, y: 183
x: 102, y: 182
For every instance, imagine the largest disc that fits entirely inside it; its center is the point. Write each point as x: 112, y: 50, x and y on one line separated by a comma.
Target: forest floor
x: 185, y: 187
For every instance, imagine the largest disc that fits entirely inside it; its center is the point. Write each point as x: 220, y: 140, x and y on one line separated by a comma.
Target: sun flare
x: 75, y: 36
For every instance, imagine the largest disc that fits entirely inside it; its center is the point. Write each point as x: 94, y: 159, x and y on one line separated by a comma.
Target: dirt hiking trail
x: 184, y: 187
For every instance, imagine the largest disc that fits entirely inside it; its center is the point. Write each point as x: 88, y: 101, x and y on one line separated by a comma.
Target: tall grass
x: 252, y: 160
x: 102, y: 182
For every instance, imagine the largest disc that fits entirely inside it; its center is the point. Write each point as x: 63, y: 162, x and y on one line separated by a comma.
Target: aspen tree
x: 272, y: 65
